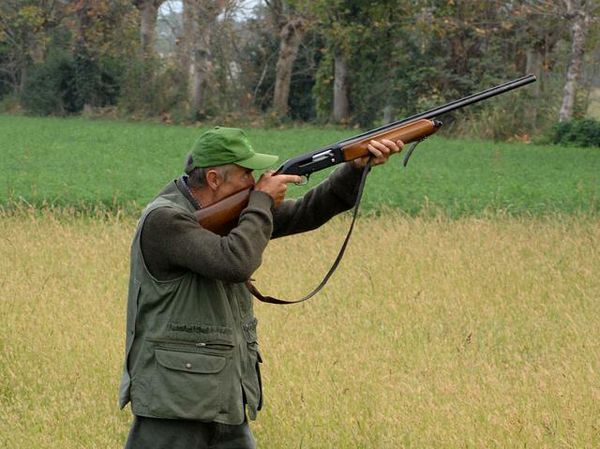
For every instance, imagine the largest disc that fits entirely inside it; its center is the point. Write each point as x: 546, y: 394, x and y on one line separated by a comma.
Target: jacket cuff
x: 260, y: 200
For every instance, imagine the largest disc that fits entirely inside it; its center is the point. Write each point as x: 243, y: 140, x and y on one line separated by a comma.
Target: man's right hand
x: 276, y: 185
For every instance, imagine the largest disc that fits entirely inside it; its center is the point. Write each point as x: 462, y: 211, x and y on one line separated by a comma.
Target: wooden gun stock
x: 222, y: 216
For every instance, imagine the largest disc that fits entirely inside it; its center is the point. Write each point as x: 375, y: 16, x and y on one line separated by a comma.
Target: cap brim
x: 258, y: 161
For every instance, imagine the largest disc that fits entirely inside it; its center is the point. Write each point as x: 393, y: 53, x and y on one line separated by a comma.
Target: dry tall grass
x: 433, y: 333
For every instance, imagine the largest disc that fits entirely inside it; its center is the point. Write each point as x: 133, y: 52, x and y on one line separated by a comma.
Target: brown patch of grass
x: 433, y: 333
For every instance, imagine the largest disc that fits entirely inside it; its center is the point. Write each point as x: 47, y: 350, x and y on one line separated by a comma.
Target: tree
x: 148, y: 13
x: 362, y: 53
x: 291, y: 26
x: 578, y: 16
x: 341, y: 105
x: 337, y: 20
x: 26, y: 27
x: 199, y: 21
x: 537, y: 27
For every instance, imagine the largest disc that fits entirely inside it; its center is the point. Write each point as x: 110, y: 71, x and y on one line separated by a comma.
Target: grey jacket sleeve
x: 337, y: 193
x: 173, y: 243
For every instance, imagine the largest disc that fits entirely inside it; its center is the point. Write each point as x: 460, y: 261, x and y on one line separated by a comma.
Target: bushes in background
x: 583, y: 133
x: 63, y: 84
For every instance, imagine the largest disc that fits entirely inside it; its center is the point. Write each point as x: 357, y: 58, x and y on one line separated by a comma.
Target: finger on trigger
x: 292, y: 178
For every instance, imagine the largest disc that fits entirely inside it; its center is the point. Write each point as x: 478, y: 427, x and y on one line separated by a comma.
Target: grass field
x: 434, y: 333
x: 464, y: 315
x: 83, y: 163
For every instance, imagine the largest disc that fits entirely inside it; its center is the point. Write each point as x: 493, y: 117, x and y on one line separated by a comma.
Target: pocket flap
x: 190, y: 362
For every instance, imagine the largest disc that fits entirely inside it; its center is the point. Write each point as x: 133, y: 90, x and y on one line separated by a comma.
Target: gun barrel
x: 453, y: 105
x: 308, y: 163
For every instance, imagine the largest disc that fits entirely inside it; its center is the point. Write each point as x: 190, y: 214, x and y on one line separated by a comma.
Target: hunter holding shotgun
x: 192, y: 366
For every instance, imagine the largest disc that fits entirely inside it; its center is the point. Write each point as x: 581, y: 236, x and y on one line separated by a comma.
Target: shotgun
x: 222, y: 216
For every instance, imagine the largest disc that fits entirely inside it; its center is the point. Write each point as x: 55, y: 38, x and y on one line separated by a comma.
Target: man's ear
x: 213, y: 179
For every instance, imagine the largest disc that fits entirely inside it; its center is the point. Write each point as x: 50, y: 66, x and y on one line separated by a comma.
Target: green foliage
x: 583, y: 133
x: 257, y: 60
x: 403, y: 57
x: 10, y: 104
x: 63, y: 84
x: 406, y: 57
x: 87, y: 77
x: 322, y: 90
x: 151, y: 88
x: 5, y: 79
x: 506, y: 117
x: 50, y: 88
x: 95, y: 79
x: 301, y: 103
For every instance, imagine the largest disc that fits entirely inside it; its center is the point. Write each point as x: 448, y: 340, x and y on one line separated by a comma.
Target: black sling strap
x: 272, y: 300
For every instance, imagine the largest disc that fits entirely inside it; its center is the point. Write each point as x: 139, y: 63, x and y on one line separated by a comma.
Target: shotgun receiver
x: 223, y: 215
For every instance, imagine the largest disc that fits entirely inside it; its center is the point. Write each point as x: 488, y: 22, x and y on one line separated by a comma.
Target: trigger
x: 303, y: 181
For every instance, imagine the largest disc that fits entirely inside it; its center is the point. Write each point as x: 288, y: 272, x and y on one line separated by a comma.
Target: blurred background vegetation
x: 279, y: 62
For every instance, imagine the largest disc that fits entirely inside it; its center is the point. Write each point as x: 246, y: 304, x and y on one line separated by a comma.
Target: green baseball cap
x: 221, y: 146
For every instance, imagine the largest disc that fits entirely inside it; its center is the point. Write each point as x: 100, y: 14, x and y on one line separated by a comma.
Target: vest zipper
x: 220, y: 345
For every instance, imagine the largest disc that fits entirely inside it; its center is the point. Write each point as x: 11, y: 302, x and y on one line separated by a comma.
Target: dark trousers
x: 153, y: 433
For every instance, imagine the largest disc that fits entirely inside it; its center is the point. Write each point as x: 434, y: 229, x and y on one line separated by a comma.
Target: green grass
x: 83, y: 163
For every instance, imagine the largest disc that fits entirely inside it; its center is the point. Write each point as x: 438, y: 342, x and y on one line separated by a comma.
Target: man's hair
x: 197, y: 176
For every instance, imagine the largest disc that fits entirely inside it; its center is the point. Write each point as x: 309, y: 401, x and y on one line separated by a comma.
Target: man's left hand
x: 380, y: 150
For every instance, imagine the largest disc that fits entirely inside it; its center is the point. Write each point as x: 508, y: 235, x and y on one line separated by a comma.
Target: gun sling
x: 272, y: 300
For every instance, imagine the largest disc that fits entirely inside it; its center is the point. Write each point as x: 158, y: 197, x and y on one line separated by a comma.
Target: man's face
x: 235, y: 178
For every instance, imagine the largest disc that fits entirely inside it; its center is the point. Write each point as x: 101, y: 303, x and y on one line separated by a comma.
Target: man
x: 192, y: 364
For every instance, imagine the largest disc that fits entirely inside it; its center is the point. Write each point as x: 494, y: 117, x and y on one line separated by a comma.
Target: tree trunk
x: 576, y: 12
x: 535, y: 60
x: 85, y: 73
x: 194, y: 56
x: 148, y: 12
x: 340, y: 90
x: 388, y: 114
x: 20, y: 81
x: 291, y: 36
x: 201, y: 16
x: 184, y: 42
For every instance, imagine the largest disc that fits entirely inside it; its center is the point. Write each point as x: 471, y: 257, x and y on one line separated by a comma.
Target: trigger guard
x: 303, y: 182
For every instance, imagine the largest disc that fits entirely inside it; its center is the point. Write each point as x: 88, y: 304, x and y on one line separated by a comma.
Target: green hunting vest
x: 191, y: 345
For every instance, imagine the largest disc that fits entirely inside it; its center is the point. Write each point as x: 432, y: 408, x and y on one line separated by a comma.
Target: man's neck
x: 200, y: 196
x: 203, y: 196
x: 185, y: 188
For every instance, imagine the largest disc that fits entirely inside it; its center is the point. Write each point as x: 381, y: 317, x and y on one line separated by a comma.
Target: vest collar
x: 183, y: 187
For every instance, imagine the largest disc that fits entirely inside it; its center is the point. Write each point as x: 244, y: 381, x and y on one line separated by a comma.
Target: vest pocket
x: 187, y: 385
